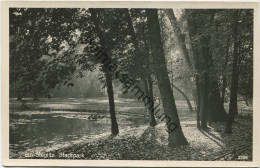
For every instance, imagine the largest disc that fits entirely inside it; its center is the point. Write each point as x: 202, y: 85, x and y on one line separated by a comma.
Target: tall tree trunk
x: 234, y: 80
x: 180, y: 40
x: 203, y: 113
x: 144, y: 72
x: 192, y: 53
x: 201, y: 81
x: 202, y: 59
x: 150, y: 91
x: 188, y: 57
x: 108, y: 76
x: 110, y: 93
x: 183, y: 94
x: 176, y: 136
x: 217, y: 111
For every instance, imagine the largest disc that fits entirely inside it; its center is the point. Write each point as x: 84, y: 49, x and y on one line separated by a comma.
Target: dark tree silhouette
x: 176, y: 136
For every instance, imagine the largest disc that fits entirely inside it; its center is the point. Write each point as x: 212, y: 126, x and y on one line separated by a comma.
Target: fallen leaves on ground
x: 151, y: 144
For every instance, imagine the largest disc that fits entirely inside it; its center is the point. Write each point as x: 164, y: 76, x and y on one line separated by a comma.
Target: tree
x: 141, y: 58
x: 120, y: 39
x: 242, y: 49
x: 173, y: 47
x: 201, y: 67
x: 224, y: 73
x: 176, y: 137
x: 95, y: 14
x: 245, y: 61
x: 200, y: 25
x: 40, y: 55
x: 234, y: 83
x: 59, y: 37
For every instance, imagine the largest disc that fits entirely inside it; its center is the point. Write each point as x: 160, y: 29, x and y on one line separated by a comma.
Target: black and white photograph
x: 131, y: 84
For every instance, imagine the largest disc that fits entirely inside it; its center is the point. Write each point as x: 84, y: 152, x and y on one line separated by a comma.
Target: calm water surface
x: 37, y: 130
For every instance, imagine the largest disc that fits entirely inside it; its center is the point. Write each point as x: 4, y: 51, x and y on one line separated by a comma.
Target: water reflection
x: 33, y: 130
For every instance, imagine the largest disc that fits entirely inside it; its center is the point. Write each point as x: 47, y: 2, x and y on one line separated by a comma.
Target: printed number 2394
x: 242, y: 157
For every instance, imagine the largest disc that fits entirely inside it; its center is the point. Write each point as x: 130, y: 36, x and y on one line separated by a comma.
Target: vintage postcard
x: 97, y: 83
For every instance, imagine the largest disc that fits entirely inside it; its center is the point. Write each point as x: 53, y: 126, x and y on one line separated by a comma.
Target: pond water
x: 50, y: 130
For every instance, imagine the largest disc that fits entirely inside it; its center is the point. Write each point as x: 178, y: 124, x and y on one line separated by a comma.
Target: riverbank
x: 62, y: 127
x: 146, y: 143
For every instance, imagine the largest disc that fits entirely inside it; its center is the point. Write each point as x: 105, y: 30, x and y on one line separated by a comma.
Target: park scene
x: 131, y: 84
